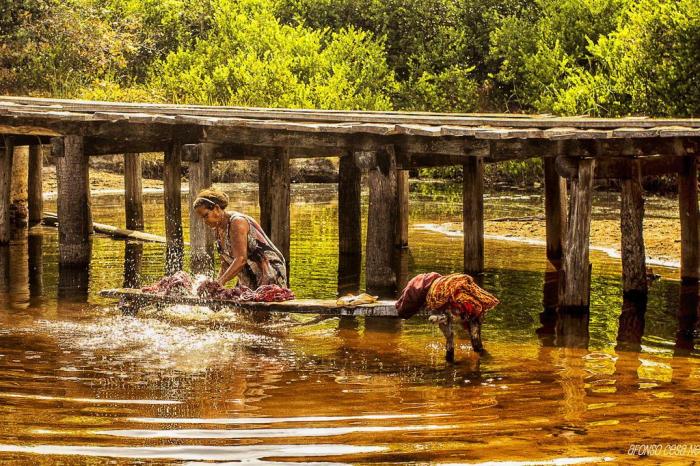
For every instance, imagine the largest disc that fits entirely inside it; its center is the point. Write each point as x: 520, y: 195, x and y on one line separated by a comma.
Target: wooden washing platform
x: 132, y: 299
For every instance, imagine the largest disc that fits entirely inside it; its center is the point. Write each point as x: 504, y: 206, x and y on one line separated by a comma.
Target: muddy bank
x: 662, y: 236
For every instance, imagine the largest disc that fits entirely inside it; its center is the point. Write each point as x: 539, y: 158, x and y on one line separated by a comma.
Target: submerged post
x: 575, y: 265
x: 688, y: 206
x: 473, y: 215
x: 74, y: 212
x: 381, y: 223
x: 35, y: 187
x: 201, y: 236
x: 173, y: 209
x: 133, y: 192
x: 5, y: 186
x: 274, y: 198
x: 554, y: 209
x: 349, y: 206
x: 634, y: 278
x: 349, y: 224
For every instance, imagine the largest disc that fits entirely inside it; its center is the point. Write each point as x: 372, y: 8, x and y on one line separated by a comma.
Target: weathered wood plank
x: 575, y: 264
x: 133, y: 191
x: 35, y: 188
x: 74, y: 210
x: 419, y: 118
x: 381, y: 223
x: 555, y: 209
x: 634, y: 278
x: 51, y: 219
x: 5, y: 187
x: 201, y: 236
x: 473, y: 215
x: 173, y: 208
x: 296, y: 306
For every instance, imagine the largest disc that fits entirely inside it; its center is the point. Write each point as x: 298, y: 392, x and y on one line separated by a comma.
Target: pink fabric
x: 413, y: 295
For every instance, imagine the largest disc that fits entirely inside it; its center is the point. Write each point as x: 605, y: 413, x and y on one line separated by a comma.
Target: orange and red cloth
x: 456, y: 292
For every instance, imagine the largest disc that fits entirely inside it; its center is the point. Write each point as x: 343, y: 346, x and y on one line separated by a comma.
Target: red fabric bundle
x: 268, y: 294
x: 414, y: 294
x: 178, y: 284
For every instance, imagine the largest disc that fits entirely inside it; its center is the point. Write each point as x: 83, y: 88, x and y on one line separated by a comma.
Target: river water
x: 82, y: 384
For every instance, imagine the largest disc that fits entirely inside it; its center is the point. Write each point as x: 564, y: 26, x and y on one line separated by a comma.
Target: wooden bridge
x: 383, y: 144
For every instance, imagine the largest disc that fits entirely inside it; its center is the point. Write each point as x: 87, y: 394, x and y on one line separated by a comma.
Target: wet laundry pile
x: 183, y: 284
x: 177, y: 284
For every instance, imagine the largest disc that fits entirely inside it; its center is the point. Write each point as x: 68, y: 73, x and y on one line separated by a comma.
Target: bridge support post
x: 35, y: 188
x: 74, y: 211
x: 173, y: 209
x: 19, y: 190
x: 576, y: 283
x: 688, y: 206
x: 5, y: 185
x: 133, y: 192
x: 401, y: 236
x: 554, y: 209
x: 473, y: 215
x: 349, y: 224
x: 201, y: 236
x: 274, y: 199
x: 631, y: 226
x: 381, y: 223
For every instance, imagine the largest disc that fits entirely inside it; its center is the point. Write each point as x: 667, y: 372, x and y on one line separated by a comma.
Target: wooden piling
x: 688, y: 206
x: 381, y: 223
x: 274, y: 198
x: 5, y: 185
x: 473, y: 215
x: 349, y: 206
x: 133, y: 192
x: 18, y: 191
x: 173, y: 209
x: 35, y: 187
x: 555, y: 209
x: 401, y: 236
x: 576, y: 280
x: 74, y: 212
x: 631, y: 226
x: 201, y: 236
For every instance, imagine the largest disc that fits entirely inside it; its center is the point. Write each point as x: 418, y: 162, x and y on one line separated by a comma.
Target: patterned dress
x: 265, y: 264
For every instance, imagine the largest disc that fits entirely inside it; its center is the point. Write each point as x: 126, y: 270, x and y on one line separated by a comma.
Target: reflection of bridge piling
x: 575, y: 151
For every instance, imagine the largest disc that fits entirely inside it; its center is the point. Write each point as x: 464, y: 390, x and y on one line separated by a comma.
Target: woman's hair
x: 209, y: 198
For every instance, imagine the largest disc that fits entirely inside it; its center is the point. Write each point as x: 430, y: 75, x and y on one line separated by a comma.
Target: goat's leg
x: 445, y: 324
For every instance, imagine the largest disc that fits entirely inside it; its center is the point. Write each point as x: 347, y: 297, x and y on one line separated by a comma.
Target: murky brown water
x: 82, y: 384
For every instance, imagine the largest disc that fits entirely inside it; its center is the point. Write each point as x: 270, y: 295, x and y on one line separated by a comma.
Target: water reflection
x: 73, y: 283
x: 687, y: 316
x: 35, y: 245
x: 631, y: 323
x: 133, y: 254
x: 561, y: 326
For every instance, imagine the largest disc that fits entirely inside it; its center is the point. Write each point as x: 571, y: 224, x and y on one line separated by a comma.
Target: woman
x: 245, y: 250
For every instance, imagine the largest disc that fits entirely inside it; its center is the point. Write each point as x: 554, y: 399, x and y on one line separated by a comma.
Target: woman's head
x: 210, y: 204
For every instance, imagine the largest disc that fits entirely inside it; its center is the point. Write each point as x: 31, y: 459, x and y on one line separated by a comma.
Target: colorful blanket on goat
x: 461, y: 295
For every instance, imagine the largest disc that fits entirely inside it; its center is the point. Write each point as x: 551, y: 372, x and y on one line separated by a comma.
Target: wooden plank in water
x: 296, y: 306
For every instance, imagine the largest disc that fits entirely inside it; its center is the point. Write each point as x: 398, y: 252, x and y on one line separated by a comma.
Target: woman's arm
x: 238, y: 239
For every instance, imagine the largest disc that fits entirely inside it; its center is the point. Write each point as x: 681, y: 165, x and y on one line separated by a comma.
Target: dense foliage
x: 569, y: 57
